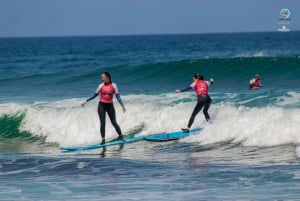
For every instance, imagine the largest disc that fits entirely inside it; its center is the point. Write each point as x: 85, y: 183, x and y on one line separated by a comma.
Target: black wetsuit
x: 203, y: 101
x: 108, y: 108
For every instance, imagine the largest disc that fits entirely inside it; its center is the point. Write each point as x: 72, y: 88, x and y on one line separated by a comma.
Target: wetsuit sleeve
x: 95, y: 94
x: 119, y: 99
x: 210, y: 82
x: 186, y: 89
x: 189, y: 87
x: 91, y: 98
x: 117, y: 94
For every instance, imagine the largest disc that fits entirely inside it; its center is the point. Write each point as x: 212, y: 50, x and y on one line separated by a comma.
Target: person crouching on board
x: 255, y: 82
x: 201, y: 88
x: 106, y: 90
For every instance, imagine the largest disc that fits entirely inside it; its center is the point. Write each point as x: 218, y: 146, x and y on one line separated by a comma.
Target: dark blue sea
x: 250, y: 151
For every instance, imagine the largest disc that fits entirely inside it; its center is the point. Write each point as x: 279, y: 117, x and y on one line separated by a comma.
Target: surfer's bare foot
x: 185, y: 130
x: 120, y: 137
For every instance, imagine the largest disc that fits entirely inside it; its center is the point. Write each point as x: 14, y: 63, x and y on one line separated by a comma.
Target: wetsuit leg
x: 101, y: 114
x: 205, y: 109
x: 197, y: 109
x: 112, y: 115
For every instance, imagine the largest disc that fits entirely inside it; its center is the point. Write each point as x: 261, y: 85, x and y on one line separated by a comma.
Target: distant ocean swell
x: 227, y: 71
x: 224, y: 69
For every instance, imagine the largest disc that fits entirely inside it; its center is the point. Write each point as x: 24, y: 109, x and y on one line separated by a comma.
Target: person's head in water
x: 106, y: 78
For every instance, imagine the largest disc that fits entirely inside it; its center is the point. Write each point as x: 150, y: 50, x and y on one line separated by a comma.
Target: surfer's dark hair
x: 107, y: 74
x: 199, y: 77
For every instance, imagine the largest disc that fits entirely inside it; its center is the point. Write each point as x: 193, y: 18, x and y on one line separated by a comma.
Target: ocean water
x: 250, y: 151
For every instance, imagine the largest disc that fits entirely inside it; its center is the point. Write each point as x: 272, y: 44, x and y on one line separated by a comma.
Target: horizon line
x: 153, y: 34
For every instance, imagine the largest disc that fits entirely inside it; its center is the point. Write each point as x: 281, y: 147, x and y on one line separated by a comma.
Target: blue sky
x: 20, y: 18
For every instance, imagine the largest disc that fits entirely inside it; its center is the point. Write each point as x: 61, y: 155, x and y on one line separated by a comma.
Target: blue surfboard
x: 172, y: 135
x: 154, y: 137
x: 98, y: 145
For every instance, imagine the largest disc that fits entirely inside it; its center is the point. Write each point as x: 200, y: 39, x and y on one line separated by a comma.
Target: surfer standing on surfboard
x: 255, y: 82
x: 106, y: 90
x: 201, y: 87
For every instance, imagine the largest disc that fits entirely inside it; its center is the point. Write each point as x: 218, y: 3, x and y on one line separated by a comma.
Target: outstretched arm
x: 183, y: 90
x: 91, y: 98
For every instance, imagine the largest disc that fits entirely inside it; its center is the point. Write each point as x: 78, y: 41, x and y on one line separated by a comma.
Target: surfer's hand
x: 83, y: 104
x: 124, y: 109
x: 177, y: 91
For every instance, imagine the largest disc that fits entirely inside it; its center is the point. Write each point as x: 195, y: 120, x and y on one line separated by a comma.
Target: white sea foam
x: 66, y: 123
x: 270, y: 126
x: 291, y: 98
x: 298, y: 151
x: 255, y: 54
